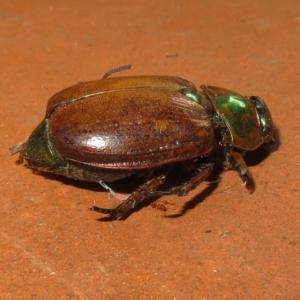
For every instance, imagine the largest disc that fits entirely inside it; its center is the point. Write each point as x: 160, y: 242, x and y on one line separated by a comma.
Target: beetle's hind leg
x: 149, y: 189
x: 145, y: 191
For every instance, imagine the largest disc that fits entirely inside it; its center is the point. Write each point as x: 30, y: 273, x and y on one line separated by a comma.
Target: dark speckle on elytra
x: 124, y: 112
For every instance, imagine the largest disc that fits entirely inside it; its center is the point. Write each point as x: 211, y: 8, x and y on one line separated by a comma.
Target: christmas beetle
x: 112, y: 128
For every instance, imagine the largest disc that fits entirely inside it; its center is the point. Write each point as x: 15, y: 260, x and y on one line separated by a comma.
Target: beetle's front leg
x: 237, y: 163
x: 144, y: 192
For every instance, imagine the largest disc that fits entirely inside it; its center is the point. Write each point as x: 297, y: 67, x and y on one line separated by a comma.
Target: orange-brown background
x: 230, y: 245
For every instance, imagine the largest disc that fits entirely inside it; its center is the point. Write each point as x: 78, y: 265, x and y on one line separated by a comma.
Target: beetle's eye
x: 258, y: 103
x: 265, y: 119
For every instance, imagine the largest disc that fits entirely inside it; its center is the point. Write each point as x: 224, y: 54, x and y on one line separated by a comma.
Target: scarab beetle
x: 112, y: 128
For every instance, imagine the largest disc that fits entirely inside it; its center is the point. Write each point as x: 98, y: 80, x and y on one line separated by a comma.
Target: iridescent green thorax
x: 240, y: 116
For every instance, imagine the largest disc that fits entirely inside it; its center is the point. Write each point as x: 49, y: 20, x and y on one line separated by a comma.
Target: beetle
x: 112, y: 128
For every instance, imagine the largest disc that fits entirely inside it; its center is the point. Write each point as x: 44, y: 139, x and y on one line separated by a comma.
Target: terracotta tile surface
x: 226, y: 244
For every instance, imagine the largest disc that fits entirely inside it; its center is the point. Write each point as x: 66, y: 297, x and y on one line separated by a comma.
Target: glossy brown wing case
x: 91, y: 88
x: 126, y: 128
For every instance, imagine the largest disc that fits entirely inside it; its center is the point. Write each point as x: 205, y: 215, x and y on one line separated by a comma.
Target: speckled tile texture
x: 218, y: 242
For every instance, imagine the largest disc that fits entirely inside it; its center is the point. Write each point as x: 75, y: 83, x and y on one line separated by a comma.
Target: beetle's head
x: 265, y: 119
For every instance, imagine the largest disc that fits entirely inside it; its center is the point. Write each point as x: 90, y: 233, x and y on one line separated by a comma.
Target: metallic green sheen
x: 240, y: 116
x: 39, y: 148
x: 193, y: 95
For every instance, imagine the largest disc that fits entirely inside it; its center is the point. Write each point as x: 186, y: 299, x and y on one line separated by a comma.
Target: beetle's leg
x: 237, y: 163
x: 204, y: 171
x: 145, y: 191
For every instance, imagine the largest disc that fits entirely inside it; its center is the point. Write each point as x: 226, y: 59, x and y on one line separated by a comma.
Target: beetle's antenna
x: 116, y: 70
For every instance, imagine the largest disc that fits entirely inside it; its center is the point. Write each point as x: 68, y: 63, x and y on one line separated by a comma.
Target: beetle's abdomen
x: 131, y: 129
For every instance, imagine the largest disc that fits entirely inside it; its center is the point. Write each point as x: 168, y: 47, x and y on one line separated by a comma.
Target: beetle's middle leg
x: 145, y: 191
x: 204, y: 170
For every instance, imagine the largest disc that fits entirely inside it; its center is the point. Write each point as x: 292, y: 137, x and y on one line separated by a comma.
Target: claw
x: 249, y: 183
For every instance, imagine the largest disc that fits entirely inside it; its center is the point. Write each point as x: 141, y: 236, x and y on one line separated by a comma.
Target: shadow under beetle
x: 112, y: 128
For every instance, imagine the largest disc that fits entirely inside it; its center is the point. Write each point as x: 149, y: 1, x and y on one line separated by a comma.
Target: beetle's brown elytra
x: 112, y: 128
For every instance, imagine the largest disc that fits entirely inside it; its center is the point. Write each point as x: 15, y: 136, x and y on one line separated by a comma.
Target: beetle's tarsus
x: 237, y: 163
x: 249, y: 183
x: 115, y: 213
